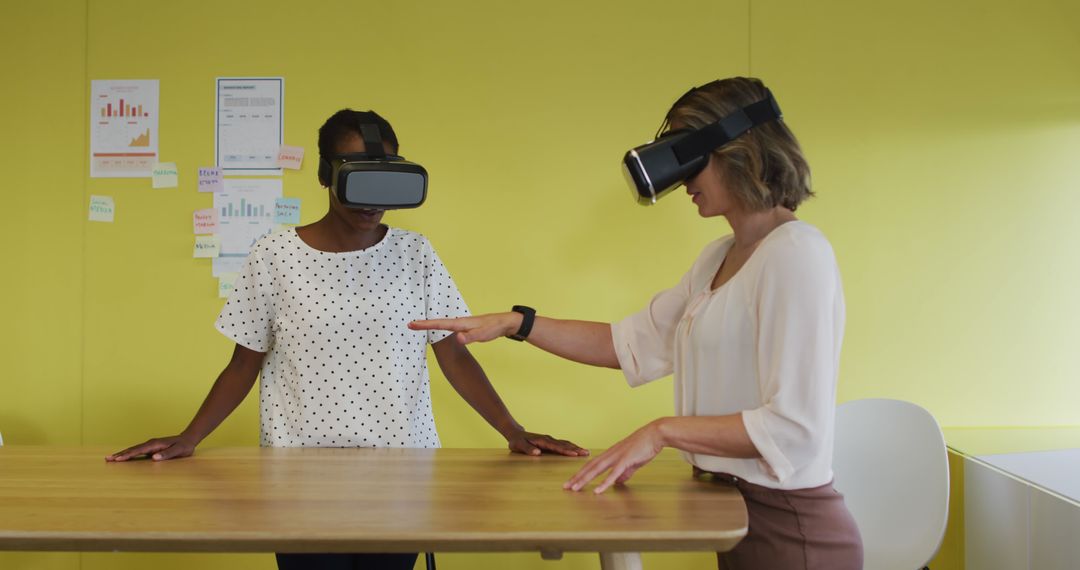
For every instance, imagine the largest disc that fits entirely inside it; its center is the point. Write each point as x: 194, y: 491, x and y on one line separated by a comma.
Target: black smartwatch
x: 528, y: 315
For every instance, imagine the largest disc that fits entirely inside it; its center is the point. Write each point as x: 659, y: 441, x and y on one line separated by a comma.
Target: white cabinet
x: 1012, y: 523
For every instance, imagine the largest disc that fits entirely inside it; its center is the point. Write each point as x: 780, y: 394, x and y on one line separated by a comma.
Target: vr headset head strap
x: 372, y: 141
x: 715, y: 135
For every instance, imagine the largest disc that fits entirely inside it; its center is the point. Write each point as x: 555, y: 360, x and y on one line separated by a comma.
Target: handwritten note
x: 206, y: 221
x: 102, y: 209
x: 165, y: 175
x: 226, y: 284
x: 290, y: 157
x: 207, y: 246
x: 210, y: 180
x: 287, y: 211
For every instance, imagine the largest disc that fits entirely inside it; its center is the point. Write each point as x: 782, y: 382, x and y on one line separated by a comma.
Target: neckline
x: 373, y: 247
x: 731, y: 242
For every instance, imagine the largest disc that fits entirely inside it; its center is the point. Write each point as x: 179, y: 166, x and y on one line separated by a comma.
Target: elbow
x: 786, y: 443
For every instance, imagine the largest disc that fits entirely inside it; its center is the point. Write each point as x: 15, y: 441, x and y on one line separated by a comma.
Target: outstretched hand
x: 480, y: 328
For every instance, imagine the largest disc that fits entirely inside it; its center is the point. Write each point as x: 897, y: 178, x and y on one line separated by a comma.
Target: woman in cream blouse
x: 752, y: 334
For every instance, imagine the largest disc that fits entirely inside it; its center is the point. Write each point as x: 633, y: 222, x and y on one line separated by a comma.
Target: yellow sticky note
x: 102, y: 208
x: 290, y: 157
x: 207, y: 246
x: 226, y: 283
x: 165, y: 175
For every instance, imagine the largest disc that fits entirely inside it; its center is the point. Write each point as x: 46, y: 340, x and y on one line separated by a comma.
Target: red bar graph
x: 123, y: 109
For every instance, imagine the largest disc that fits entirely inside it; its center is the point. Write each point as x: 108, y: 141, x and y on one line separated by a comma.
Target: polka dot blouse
x: 342, y: 369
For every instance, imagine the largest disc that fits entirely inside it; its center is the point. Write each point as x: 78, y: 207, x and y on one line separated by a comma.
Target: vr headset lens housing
x: 391, y: 183
x: 654, y: 169
x: 374, y: 179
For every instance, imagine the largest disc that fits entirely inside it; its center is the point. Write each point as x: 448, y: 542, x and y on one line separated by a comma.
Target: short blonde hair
x: 765, y: 167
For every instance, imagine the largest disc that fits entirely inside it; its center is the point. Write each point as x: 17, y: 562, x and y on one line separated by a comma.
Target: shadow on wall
x: 22, y: 430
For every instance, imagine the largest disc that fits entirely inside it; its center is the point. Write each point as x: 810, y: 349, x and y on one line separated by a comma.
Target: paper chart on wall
x: 249, y: 124
x: 123, y: 128
x: 223, y: 264
x: 245, y: 210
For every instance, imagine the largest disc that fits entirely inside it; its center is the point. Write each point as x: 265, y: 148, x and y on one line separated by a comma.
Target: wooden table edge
x: 702, y: 541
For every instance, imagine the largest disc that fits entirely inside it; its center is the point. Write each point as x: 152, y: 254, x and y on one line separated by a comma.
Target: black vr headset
x: 374, y: 179
x: 656, y: 168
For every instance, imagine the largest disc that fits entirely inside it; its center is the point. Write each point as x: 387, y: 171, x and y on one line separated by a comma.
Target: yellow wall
x: 943, y: 138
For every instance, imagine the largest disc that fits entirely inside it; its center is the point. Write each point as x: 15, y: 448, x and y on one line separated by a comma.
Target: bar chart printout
x: 123, y: 128
x: 245, y: 210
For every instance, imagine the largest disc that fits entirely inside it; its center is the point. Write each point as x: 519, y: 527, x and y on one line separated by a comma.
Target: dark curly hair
x: 346, y: 123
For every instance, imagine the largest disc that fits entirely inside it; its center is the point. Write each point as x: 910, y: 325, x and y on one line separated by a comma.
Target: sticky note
x: 206, y: 221
x: 102, y: 209
x: 210, y: 180
x: 226, y: 283
x: 290, y: 157
x: 207, y: 246
x: 165, y: 175
x: 287, y: 211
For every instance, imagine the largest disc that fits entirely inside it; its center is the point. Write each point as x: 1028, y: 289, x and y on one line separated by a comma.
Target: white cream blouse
x: 766, y: 343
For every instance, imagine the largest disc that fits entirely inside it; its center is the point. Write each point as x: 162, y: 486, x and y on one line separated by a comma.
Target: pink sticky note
x: 210, y: 180
x: 206, y: 221
x: 290, y: 157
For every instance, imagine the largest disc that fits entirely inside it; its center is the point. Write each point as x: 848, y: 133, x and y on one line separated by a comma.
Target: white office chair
x: 891, y: 465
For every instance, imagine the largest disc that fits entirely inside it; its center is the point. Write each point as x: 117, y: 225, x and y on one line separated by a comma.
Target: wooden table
x: 353, y: 500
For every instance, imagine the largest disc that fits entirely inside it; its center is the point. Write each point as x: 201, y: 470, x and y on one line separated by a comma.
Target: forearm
x: 469, y: 380
x: 586, y: 342
x: 722, y: 436
x: 581, y: 341
x: 230, y: 388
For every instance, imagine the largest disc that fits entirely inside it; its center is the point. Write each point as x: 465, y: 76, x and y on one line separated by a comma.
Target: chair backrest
x: 891, y: 465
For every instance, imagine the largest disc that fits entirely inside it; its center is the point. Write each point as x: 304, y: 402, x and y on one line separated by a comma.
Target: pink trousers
x: 801, y: 529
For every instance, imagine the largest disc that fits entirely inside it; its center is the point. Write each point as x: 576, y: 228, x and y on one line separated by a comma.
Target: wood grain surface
x: 352, y: 500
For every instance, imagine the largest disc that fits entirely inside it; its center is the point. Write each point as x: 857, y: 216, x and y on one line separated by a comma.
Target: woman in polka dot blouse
x: 321, y: 311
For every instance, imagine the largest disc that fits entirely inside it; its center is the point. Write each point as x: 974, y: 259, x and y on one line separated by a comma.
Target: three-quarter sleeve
x: 801, y: 318
x: 644, y: 342
x: 248, y: 316
x: 442, y: 300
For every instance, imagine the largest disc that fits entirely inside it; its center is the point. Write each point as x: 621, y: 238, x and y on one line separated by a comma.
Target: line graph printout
x: 123, y: 128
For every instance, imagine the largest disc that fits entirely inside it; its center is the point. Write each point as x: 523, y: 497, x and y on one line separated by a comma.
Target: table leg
x: 620, y: 561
